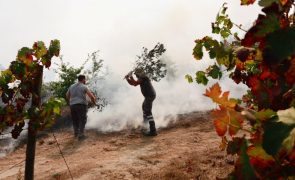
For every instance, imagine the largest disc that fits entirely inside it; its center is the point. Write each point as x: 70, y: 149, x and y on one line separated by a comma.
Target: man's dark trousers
x: 79, y: 117
x: 147, y: 106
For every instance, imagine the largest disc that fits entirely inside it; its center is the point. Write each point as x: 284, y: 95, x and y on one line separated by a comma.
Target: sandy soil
x: 186, y: 149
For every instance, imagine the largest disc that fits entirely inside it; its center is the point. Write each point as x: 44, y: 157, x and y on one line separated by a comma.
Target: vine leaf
x: 267, y: 25
x: 288, y: 117
x: 235, y: 122
x: 226, y: 119
x: 259, y: 158
x: 25, y: 55
x: 265, y: 3
x: 16, y: 86
x: 274, y: 51
x: 214, y: 72
x: 265, y: 114
x: 18, y: 68
x: 283, y: 2
x: 220, y: 98
x: 247, y: 2
x: 201, y: 78
x: 189, y: 78
x: 198, y: 50
x: 221, y: 120
x: 277, y: 131
x: 290, y: 74
x: 245, y: 170
x: 40, y: 49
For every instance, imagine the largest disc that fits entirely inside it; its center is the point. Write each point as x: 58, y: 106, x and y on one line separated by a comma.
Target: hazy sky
x: 118, y: 28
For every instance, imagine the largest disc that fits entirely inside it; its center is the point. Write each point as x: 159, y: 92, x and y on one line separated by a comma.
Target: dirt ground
x: 186, y: 149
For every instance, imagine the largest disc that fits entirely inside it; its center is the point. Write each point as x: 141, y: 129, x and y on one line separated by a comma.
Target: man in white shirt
x: 78, y: 105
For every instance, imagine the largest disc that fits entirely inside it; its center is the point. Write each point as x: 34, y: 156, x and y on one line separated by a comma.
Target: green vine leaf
x: 265, y: 3
x: 198, y: 50
x: 268, y: 25
x: 274, y: 51
x: 25, y: 55
x: 40, y: 49
x: 16, y: 89
x: 201, y: 78
x: 214, y: 72
x: 189, y: 78
x: 265, y: 114
x: 246, y: 170
x: 277, y: 130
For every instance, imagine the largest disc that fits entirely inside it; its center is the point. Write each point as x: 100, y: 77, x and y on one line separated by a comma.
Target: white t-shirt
x: 78, y: 93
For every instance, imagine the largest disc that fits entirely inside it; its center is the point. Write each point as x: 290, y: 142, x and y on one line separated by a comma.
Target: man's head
x: 139, y: 72
x: 82, y: 79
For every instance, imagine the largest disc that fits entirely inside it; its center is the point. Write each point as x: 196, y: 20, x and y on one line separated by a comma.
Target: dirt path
x: 187, y: 149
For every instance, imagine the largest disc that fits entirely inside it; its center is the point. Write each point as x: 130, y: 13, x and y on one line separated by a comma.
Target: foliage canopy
x: 18, y: 86
x: 260, y: 127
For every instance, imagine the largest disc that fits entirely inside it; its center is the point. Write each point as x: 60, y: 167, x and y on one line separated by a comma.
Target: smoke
x: 8, y: 144
x: 174, y: 96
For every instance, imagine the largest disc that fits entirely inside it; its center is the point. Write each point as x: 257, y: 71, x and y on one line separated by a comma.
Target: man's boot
x: 153, y: 131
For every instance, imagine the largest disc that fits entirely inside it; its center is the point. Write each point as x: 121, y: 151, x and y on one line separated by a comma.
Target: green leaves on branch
x: 40, y: 49
x: 218, y: 50
x: 152, y: 62
x: 201, y: 78
x: 68, y: 75
x: 222, y: 24
x: 198, y: 50
x: 16, y: 87
x: 214, y: 72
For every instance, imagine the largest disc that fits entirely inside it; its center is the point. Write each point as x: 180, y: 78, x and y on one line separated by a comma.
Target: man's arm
x: 68, y: 95
x: 92, y: 97
x: 132, y: 81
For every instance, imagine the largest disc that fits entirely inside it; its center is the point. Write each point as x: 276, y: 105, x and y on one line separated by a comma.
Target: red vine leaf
x: 290, y: 74
x: 221, y: 120
x: 25, y: 55
x: 259, y: 158
x: 227, y: 119
x: 247, y: 2
x: 283, y: 2
x: 216, y: 95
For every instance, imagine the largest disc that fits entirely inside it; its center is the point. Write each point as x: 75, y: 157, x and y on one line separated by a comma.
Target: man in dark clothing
x: 149, y: 94
x: 78, y: 105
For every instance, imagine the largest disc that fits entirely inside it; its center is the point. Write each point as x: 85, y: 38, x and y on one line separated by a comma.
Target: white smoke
x: 174, y: 96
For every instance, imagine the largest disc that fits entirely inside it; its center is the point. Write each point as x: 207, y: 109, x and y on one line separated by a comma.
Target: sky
x: 119, y: 29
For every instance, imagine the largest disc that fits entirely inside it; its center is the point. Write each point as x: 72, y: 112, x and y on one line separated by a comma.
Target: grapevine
x: 259, y: 128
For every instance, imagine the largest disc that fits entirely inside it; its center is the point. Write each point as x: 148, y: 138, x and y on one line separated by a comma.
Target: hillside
x: 186, y: 149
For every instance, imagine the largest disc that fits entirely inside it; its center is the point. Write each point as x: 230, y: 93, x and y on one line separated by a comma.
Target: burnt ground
x: 186, y: 149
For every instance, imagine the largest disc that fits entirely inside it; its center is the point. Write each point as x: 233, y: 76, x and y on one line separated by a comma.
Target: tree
x: 151, y: 62
x: 263, y: 134
x: 20, y: 85
x: 68, y: 76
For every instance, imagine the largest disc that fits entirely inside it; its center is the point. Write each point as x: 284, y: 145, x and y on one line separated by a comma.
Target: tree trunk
x: 31, y: 144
